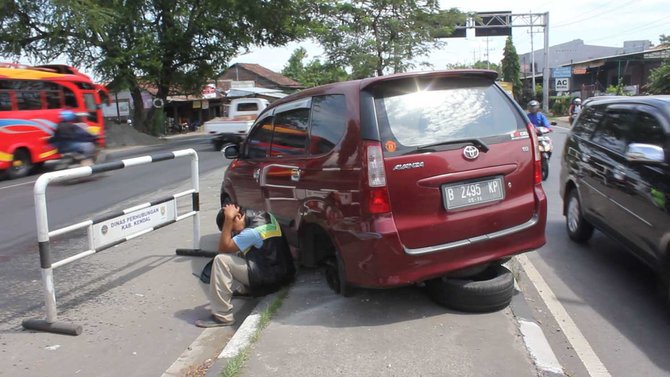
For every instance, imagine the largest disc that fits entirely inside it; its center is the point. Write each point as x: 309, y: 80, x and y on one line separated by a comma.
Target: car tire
x: 579, y: 229
x: 21, y: 164
x: 490, y: 291
x: 218, y: 145
x: 336, y: 278
x: 545, y: 169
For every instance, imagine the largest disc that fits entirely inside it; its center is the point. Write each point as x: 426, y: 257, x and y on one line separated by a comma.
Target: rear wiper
x: 474, y: 141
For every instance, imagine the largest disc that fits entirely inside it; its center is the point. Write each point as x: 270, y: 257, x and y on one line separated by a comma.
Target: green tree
x: 511, y: 70
x: 659, y: 79
x: 314, y: 73
x: 374, y: 37
x: 480, y: 64
x: 173, y: 46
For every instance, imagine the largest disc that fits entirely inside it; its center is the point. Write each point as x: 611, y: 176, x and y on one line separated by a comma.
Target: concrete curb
x: 243, y: 336
x: 533, y: 337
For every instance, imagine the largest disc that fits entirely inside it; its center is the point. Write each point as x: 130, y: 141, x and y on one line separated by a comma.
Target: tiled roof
x: 275, y: 77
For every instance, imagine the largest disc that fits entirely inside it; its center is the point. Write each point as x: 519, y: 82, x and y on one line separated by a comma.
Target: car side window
x: 588, y: 121
x: 647, y: 130
x: 290, y: 133
x: 259, y: 140
x: 329, y: 123
x: 611, y: 134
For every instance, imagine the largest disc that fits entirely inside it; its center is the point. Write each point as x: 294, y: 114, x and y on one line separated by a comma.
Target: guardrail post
x: 195, y: 182
x: 50, y: 324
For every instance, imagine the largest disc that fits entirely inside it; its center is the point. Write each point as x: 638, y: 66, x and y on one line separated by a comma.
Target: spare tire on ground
x: 488, y: 291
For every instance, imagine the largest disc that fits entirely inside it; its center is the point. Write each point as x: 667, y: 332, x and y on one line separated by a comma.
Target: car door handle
x: 295, y: 174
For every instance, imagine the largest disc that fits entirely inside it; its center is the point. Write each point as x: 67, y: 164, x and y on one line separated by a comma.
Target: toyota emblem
x: 470, y: 152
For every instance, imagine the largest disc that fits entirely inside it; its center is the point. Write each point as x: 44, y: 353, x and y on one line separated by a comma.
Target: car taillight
x: 537, y: 165
x: 378, y: 196
x: 378, y: 201
x: 376, y: 174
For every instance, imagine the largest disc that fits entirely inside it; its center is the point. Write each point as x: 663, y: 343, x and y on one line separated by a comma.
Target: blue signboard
x: 561, y: 72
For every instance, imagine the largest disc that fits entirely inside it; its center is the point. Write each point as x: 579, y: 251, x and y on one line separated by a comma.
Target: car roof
x: 659, y: 101
x: 362, y: 84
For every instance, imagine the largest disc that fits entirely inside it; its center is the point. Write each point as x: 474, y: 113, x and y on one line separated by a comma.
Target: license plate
x: 459, y: 195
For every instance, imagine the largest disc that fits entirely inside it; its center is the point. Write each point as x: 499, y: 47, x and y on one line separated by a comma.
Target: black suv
x: 615, y: 176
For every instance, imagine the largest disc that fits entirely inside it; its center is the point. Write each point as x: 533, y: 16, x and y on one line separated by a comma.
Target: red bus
x: 31, y: 99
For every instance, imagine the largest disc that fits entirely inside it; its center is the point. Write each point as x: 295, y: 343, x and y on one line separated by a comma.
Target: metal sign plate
x: 123, y: 226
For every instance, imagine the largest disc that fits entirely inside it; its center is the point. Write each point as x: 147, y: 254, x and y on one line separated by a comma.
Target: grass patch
x: 234, y: 365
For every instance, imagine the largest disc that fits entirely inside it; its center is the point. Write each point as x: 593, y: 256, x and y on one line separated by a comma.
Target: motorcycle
x: 546, y: 147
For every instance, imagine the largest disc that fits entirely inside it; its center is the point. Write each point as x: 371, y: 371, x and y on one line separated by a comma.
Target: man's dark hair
x: 220, y: 217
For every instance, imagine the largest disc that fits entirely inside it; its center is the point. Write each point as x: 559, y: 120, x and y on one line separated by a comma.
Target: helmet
x: 533, y: 104
x: 67, y: 116
x: 578, y: 101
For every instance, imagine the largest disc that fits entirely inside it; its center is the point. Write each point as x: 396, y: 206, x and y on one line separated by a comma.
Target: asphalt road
x: 69, y: 203
x: 609, y: 294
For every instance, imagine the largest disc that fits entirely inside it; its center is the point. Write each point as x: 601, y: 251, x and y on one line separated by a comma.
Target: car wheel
x: 336, y: 278
x: 21, y: 164
x: 545, y: 169
x: 578, y: 228
x: 489, y: 291
x: 218, y: 145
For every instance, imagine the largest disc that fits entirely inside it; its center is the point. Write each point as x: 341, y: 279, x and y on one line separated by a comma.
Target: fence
x: 108, y: 230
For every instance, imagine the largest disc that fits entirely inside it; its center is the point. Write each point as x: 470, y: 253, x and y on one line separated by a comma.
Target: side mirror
x: 649, y: 153
x: 231, y: 151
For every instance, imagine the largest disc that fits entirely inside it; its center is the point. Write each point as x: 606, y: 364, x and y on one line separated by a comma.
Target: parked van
x: 428, y: 177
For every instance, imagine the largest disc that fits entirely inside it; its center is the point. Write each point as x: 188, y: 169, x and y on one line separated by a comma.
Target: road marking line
x: 539, y: 347
x: 579, y: 343
x: 17, y: 185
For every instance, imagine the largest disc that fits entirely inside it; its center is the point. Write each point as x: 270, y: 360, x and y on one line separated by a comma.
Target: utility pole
x: 546, y: 71
x: 532, y: 60
x: 488, y: 62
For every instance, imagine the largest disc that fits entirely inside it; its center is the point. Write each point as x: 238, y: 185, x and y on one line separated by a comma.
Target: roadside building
x: 565, y: 54
x: 260, y: 76
x: 630, y: 70
x: 239, y: 80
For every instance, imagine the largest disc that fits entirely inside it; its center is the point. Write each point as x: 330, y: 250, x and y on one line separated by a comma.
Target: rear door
x: 458, y: 157
x: 645, y: 189
x: 608, y: 164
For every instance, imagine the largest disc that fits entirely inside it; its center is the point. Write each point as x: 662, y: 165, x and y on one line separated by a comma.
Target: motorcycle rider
x: 535, y: 116
x: 69, y: 137
x: 542, y: 127
x: 575, y: 109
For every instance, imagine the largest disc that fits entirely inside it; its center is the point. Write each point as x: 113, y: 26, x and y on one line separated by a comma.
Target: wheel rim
x: 573, y: 214
x: 20, y: 162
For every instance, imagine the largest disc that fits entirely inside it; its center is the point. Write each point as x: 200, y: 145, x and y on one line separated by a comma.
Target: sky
x: 596, y: 22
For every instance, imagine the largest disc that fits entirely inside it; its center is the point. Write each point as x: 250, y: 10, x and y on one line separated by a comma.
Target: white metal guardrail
x: 108, y: 230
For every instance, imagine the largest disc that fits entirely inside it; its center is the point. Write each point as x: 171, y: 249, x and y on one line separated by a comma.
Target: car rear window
x: 449, y: 109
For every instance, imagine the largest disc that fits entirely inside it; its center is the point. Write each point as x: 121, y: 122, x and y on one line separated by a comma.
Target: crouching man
x: 254, y: 258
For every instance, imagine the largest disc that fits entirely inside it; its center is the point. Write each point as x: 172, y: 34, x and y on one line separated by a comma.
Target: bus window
x: 53, y: 99
x: 70, y: 99
x: 28, y: 100
x: 5, y: 102
x: 91, y: 107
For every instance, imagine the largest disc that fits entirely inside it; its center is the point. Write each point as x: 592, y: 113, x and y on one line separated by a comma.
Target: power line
x: 648, y: 25
x: 595, y: 16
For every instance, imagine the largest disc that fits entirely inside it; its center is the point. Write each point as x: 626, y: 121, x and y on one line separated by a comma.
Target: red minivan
x: 430, y: 177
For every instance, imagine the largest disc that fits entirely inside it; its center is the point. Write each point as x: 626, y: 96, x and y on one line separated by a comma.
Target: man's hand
x: 230, y: 211
x: 226, y: 244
